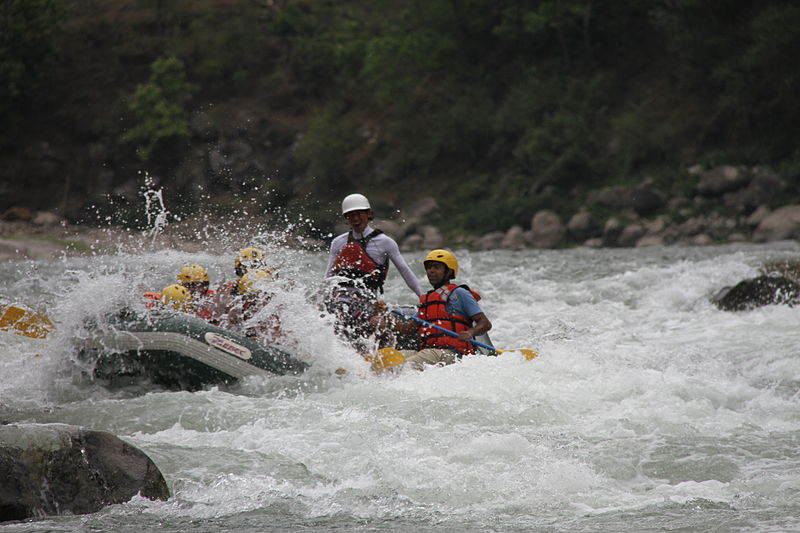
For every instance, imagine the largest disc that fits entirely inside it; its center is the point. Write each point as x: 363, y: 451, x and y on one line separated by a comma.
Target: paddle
x: 24, y: 322
x: 529, y: 354
x: 389, y: 357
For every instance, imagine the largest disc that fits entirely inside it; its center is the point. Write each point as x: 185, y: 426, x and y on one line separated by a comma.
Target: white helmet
x: 354, y: 202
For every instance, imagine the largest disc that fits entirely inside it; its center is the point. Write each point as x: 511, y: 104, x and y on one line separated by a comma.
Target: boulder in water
x: 51, y: 469
x: 756, y: 292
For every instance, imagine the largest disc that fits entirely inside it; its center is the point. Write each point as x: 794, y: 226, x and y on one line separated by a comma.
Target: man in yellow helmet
x: 227, y: 294
x: 254, y: 293
x: 193, y: 278
x: 447, y: 305
x: 359, y: 261
x: 176, y: 296
x: 249, y: 259
x: 246, y: 260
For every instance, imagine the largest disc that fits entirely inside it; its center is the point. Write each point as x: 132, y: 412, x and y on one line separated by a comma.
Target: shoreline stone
x: 55, y: 469
x: 642, y: 215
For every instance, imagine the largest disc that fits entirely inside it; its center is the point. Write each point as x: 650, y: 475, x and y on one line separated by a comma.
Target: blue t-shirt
x: 461, y: 302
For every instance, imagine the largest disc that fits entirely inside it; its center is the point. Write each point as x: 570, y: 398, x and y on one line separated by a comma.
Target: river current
x: 648, y: 409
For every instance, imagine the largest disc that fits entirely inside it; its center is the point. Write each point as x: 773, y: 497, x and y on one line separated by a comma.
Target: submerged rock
x: 52, y: 469
x: 756, y: 292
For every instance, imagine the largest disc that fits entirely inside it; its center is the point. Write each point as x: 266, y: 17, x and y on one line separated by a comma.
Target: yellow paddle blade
x: 24, y: 322
x: 385, y: 358
x: 529, y: 354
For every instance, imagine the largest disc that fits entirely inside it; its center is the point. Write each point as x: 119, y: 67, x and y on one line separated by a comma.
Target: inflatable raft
x: 178, y: 351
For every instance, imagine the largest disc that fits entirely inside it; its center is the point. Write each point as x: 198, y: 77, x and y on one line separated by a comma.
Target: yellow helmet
x: 248, y: 284
x: 443, y: 256
x: 176, y: 295
x: 250, y: 258
x: 193, y: 274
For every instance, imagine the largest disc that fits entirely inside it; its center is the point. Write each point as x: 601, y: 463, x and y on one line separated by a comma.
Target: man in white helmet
x: 362, y: 256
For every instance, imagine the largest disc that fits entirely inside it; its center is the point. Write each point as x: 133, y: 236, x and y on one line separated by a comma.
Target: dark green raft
x: 179, y: 351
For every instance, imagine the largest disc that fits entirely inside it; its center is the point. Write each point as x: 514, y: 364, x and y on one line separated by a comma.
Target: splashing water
x: 647, y: 409
x: 155, y: 211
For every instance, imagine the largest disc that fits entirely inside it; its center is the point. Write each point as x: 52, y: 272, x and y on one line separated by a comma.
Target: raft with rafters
x: 178, y: 351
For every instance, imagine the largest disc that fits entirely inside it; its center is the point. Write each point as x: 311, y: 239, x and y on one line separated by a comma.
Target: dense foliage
x: 500, y: 107
x: 27, y: 29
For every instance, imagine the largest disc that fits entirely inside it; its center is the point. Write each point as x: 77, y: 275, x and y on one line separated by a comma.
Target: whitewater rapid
x: 647, y: 408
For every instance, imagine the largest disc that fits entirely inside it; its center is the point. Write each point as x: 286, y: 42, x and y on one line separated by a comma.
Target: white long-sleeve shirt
x: 379, y: 249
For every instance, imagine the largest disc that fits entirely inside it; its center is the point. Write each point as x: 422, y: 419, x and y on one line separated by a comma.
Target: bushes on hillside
x: 158, y: 108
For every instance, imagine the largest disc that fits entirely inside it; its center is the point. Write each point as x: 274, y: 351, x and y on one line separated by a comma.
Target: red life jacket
x: 432, y: 308
x: 203, y: 311
x: 152, y: 298
x: 353, y: 262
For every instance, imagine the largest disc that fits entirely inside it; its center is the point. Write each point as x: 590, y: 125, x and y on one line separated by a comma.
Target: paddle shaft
x: 443, y: 330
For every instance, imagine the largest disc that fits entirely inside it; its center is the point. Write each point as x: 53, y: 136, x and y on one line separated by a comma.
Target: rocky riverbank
x: 725, y: 204
x: 547, y: 230
x: 46, y: 236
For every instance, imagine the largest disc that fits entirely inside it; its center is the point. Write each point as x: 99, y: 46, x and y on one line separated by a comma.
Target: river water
x: 647, y: 410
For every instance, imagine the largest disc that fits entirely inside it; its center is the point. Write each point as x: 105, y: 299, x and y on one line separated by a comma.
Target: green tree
x: 159, y: 108
x: 27, y: 46
x: 326, y: 147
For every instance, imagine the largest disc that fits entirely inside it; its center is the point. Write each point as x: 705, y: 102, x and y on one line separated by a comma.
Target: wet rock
x: 644, y: 198
x: 762, y: 187
x: 655, y: 226
x: 389, y: 227
x: 579, y: 226
x: 46, y: 218
x: 701, y: 240
x: 647, y: 198
x: 650, y: 240
x: 719, y: 228
x: 50, y: 469
x: 409, y: 226
x: 757, y: 216
x: 630, y: 235
x: 722, y: 179
x: 783, y: 223
x: 20, y: 213
x: 757, y: 292
x: 514, y: 238
x: 616, y: 197
x: 431, y: 237
x: 692, y: 226
x: 677, y: 202
x: 547, y: 230
x: 490, y: 241
x: 612, y: 230
x: 412, y: 243
x: 421, y: 208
